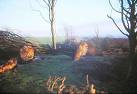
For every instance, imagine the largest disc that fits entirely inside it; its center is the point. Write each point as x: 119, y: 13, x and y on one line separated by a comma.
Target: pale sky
x: 82, y: 17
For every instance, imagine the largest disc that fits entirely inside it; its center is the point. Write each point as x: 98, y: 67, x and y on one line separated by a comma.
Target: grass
x: 31, y: 77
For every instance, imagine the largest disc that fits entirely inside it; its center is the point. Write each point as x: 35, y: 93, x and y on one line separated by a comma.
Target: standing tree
x: 66, y: 33
x: 97, y: 39
x: 97, y: 32
x: 50, y: 6
x: 128, y: 14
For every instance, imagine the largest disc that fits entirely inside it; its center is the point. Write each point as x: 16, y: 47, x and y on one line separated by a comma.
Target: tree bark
x: 128, y: 18
x: 53, y: 35
x: 53, y: 24
x: 132, y: 72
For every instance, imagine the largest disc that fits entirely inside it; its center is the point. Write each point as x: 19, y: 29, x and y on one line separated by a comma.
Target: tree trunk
x: 132, y: 72
x: 53, y: 35
x: 53, y: 24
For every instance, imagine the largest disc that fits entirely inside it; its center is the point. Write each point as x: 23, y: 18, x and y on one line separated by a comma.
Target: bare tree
x: 128, y: 18
x: 97, y: 36
x: 50, y: 6
x: 66, y: 33
x: 97, y: 32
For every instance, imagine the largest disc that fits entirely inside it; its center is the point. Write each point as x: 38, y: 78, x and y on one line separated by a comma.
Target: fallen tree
x: 9, y: 65
x: 10, y: 44
x: 14, y: 45
x: 17, y: 47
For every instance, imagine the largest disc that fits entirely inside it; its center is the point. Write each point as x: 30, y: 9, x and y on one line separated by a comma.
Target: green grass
x: 30, y: 77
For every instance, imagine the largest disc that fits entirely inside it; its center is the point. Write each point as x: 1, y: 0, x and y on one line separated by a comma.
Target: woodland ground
x: 105, y: 72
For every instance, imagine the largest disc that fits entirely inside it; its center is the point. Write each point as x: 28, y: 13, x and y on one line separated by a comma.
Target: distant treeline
x: 45, y: 40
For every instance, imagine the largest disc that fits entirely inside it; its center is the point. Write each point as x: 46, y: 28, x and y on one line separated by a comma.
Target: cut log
x: 8, y: 66
x: 81, y: 50
x: 27, y: 53
x: 14, y: 46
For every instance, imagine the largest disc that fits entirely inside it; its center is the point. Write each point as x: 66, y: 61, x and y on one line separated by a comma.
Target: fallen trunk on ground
x: 27, y: 53
x: 9, y: 65
x: 14, y: 46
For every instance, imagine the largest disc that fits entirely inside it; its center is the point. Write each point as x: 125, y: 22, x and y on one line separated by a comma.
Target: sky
x: 80, y: 17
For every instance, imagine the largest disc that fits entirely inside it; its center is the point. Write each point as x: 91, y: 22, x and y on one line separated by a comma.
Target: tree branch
x: 129, y: 2
x: 126, y: 10
x: 135, y: 1
x: 50, y: 2
x: 127, y: 20
x: 117, y: 26
x: 50, y: 14
x: 38, y: 12
x: 113, y: 8
x: 122, y: 17
x: 47, y: 3
x: 42, y: 16
x: 119, y: 11
x: 41, y: 4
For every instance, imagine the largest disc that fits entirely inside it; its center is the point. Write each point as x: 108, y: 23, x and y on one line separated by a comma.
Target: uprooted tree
x: 128, y: 18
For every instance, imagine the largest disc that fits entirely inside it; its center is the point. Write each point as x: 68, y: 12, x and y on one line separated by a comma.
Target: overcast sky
x: 82, y: 17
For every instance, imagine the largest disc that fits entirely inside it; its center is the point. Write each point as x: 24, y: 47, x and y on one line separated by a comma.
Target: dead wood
x: 12, y: 45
